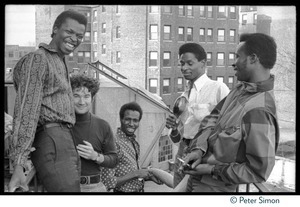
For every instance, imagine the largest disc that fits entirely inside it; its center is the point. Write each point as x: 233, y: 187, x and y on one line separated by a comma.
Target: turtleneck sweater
x: 98, y: 132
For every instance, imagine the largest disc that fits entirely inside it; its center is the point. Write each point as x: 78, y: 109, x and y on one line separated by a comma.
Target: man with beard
x: 44, y: 110
x: 237, y: 142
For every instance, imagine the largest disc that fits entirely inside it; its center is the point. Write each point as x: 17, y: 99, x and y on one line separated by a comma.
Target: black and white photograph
x: 150, y: 100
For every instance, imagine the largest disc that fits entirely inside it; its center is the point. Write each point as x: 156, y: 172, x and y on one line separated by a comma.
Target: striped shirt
x: 44, y: 94
x: 128, y: 156
x: 243, y: 135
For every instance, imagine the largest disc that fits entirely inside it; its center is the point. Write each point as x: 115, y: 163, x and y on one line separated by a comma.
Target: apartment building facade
x: 142, y: 42
x: 252, y: 20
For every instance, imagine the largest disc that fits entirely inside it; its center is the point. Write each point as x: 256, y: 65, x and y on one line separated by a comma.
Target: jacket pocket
x: 227, y: 144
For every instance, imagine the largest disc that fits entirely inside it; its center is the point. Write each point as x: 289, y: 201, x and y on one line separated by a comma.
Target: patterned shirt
x: 128, y: 156
x: 44, y: 94
x: 243, y: 135
x: 204, y: 96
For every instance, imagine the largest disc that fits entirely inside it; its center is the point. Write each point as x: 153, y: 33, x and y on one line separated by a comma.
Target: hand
x: 143, y: 173
x: 171, y: 122
x: 87, y: 151
x: 201, y: 169
x: 18, y: 180
x: 193, y: 159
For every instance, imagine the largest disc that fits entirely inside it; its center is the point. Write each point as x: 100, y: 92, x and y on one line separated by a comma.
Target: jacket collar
x: 261, y: 86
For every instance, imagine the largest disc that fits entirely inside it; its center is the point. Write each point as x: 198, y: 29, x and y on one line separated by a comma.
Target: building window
x: 153, y: 32
x: 190, y: 11
x: 166, y: 86
x: 189, y: 34
x: 153, y: 9
x: 209, y: 59
x: 232, y: 12
x: 202, y: 11
x: 118, y: 32
x: 221, y: 11
x: 118, y: 8
x: 95, y: 36
x: 167, y: 32
x: 153, y: 85
x: 80, y: 57
x: 87, y: 56
x: 103, y: 51
x: 87, y: 36
x: 118, y: 57
x: 167, y: 9
x: 232, y: 35
x: 220, y: 79
x: 180, y: 33
x: 180, y: 86
x: 221, y: 35
x: 181, y: 10
x: 11, y: 54
x: 244, y: 19
x: 202, y: 35
x: 71, y: 56
x: 209, y: 11
x: 95, y: 55
x: 230, y: 82
x: 231, y: 58
x: 254, y: 18
x: 153, y: 59
x: 220, y: 59
x: 103, y: 8
x: 111, y: 57
x: 165, y: 151
x: 167, y: 59
x: 103, y: 28
x: 210, y: 35
x: 95, y: 15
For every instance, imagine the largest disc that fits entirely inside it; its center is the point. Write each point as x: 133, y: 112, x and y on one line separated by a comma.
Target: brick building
x: 142, y: 42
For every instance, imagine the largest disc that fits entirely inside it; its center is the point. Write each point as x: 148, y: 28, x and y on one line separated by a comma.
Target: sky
x: 20, y: 22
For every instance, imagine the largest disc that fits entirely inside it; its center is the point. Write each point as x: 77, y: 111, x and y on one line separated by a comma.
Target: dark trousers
x: 56, y: 160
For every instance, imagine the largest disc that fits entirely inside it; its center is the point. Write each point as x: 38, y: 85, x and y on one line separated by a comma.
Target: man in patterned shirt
x: 127, y: 175
x: 237, y: 142
x: 44, y: 110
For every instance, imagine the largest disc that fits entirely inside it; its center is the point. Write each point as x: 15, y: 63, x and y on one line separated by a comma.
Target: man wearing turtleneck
x: 93, y: 136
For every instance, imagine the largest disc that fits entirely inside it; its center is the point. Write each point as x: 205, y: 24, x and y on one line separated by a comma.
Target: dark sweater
x: 96, y: 131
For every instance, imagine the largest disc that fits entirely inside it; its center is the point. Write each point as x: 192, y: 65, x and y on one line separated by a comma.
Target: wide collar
x: 124, y: 136
x: 261, y: 86
x: 47, y: 47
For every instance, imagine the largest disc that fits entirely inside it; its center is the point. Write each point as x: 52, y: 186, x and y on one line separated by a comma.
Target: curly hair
x: 81, y: 80
x: 130, y: 106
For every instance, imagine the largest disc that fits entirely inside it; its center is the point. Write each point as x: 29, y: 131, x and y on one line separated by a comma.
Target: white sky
x: 20, y: 21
